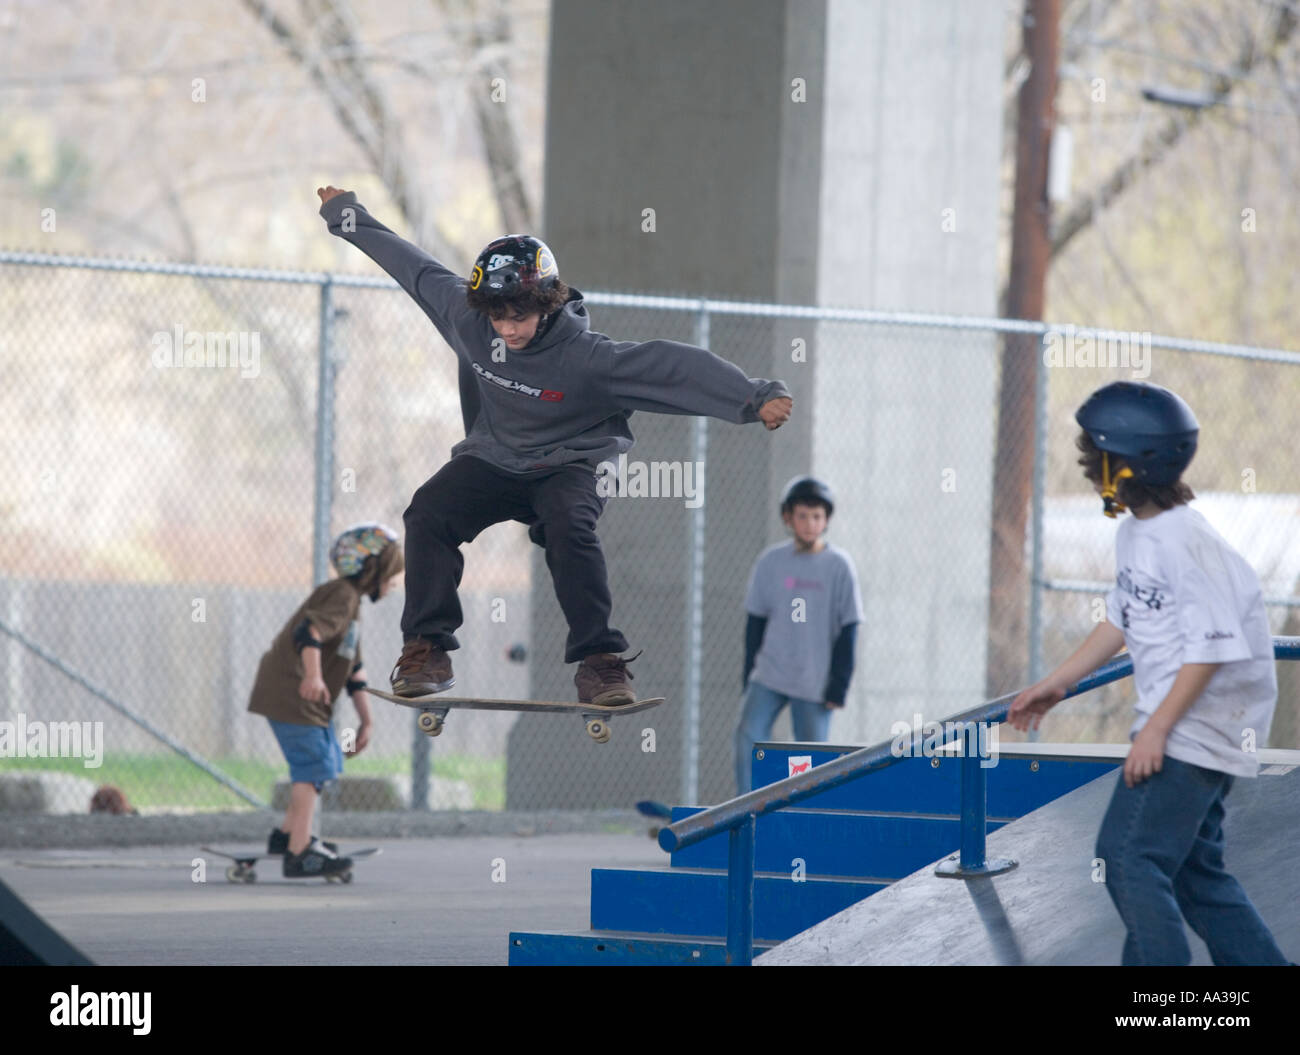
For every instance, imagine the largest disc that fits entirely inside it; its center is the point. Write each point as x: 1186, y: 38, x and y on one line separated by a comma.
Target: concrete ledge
x: 250, y: 828
x: 43, y: 792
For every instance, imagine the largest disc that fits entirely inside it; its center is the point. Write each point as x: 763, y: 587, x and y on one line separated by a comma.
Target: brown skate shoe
x: 422, y: 670
x: 602, y: 680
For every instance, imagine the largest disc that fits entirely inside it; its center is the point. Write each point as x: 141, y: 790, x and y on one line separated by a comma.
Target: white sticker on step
x: 799, y: 764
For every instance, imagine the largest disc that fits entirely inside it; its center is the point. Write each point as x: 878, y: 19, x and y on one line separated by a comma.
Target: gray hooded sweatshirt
x: 566, y: 397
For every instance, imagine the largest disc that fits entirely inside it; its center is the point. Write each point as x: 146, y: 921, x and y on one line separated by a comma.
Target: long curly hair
x: 1133, y: 493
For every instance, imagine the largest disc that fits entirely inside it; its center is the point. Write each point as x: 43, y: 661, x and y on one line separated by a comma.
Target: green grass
x: 154, y: 781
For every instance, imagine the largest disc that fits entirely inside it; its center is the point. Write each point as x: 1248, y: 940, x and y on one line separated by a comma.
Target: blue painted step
x: 834, y: 843
x: 682, y: 901
x: 618, y: 949
x: 1016, y: 786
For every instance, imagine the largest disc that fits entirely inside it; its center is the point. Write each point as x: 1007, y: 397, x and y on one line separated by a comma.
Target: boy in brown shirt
x: 315, y: 654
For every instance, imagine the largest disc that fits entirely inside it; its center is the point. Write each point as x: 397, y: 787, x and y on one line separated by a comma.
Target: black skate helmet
x: 1149, y: 427
x: 807, y: 490
x: 512, y: 264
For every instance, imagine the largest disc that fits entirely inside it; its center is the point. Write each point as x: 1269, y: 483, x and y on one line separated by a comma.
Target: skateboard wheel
x: 429, y: 723
x: 233, y: 875
x: 598, y: 731
x: 345, y: 877
x: 250, y: 876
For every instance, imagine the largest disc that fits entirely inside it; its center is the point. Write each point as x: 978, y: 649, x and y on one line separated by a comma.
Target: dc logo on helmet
x: 514, y: 262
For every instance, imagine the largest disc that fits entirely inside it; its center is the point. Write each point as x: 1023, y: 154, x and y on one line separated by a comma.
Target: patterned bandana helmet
x: 350, y: 549
x: 514, y: 263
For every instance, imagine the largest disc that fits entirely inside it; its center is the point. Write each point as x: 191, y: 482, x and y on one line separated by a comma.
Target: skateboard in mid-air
x: 243, y: 870
x: 433, y: 709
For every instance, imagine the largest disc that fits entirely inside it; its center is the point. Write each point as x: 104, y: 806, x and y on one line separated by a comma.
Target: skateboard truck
x: 430, y: 722
x: 597, y: 727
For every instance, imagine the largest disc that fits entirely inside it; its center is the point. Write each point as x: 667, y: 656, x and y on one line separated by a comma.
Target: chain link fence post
x: 695, y: 592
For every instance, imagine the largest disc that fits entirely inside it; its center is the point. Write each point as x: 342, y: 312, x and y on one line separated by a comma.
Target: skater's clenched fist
x: 775, y: 412
x: 326, y: 193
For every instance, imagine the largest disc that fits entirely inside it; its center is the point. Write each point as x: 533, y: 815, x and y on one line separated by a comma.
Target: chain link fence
x: 183, y: 442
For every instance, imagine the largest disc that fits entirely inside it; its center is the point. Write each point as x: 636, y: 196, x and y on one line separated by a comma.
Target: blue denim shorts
x: 312, y: 751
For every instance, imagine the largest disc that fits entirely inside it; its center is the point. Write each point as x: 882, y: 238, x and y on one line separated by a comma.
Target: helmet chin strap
x: 1112, y: 505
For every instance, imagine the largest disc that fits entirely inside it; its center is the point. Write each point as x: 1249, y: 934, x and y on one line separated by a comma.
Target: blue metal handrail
x: 739, y: 816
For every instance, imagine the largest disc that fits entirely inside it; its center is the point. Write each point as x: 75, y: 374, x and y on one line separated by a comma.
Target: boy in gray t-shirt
x: 804, y: 608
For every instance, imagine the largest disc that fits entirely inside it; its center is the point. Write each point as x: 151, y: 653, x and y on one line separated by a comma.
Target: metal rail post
x: 740, y: 892
x: 971, y: 862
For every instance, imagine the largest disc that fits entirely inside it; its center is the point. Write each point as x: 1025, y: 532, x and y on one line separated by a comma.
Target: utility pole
x: 1030, y: 249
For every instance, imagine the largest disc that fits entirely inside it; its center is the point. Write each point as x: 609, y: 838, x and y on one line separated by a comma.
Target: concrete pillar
x: 797, y: 152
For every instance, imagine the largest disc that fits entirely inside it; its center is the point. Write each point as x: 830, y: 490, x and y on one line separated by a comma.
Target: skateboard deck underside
x: 470, y: 703
x: 433, y: 709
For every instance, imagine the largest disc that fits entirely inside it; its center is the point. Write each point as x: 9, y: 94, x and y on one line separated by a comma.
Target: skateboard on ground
x: 433, y: 709
x: 242, y: 871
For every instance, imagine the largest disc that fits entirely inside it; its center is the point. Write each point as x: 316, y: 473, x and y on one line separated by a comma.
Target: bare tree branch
x: 1157, y: 146
x: 483, y: 27
x: 359, y: 105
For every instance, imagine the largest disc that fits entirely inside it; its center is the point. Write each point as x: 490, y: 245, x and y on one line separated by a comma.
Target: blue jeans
x: 312, y: 751
x: 1162, y: 844
x: 761, y: 705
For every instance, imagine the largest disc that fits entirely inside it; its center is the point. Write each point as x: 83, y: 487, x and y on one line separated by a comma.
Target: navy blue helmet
x: 1149, y: 427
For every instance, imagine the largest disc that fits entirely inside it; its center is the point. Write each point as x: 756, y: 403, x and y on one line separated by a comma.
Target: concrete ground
x: 421, y: 901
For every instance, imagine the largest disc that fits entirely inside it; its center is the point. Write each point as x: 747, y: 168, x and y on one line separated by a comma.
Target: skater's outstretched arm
x: 439, y: 291
x: 665, y: 377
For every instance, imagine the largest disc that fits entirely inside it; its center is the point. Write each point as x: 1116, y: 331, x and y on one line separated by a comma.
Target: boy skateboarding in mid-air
x: 1191, y: 611
x: 545, y: 400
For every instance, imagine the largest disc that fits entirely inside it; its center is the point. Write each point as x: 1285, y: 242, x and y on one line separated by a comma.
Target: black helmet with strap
x: 1149, y: 427
x: 807, y: 490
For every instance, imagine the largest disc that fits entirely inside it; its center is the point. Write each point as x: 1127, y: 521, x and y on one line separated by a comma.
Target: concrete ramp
x: 1049, y: 910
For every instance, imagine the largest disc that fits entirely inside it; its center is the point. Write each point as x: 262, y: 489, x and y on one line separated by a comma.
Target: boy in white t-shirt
x: 1191, y: 611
